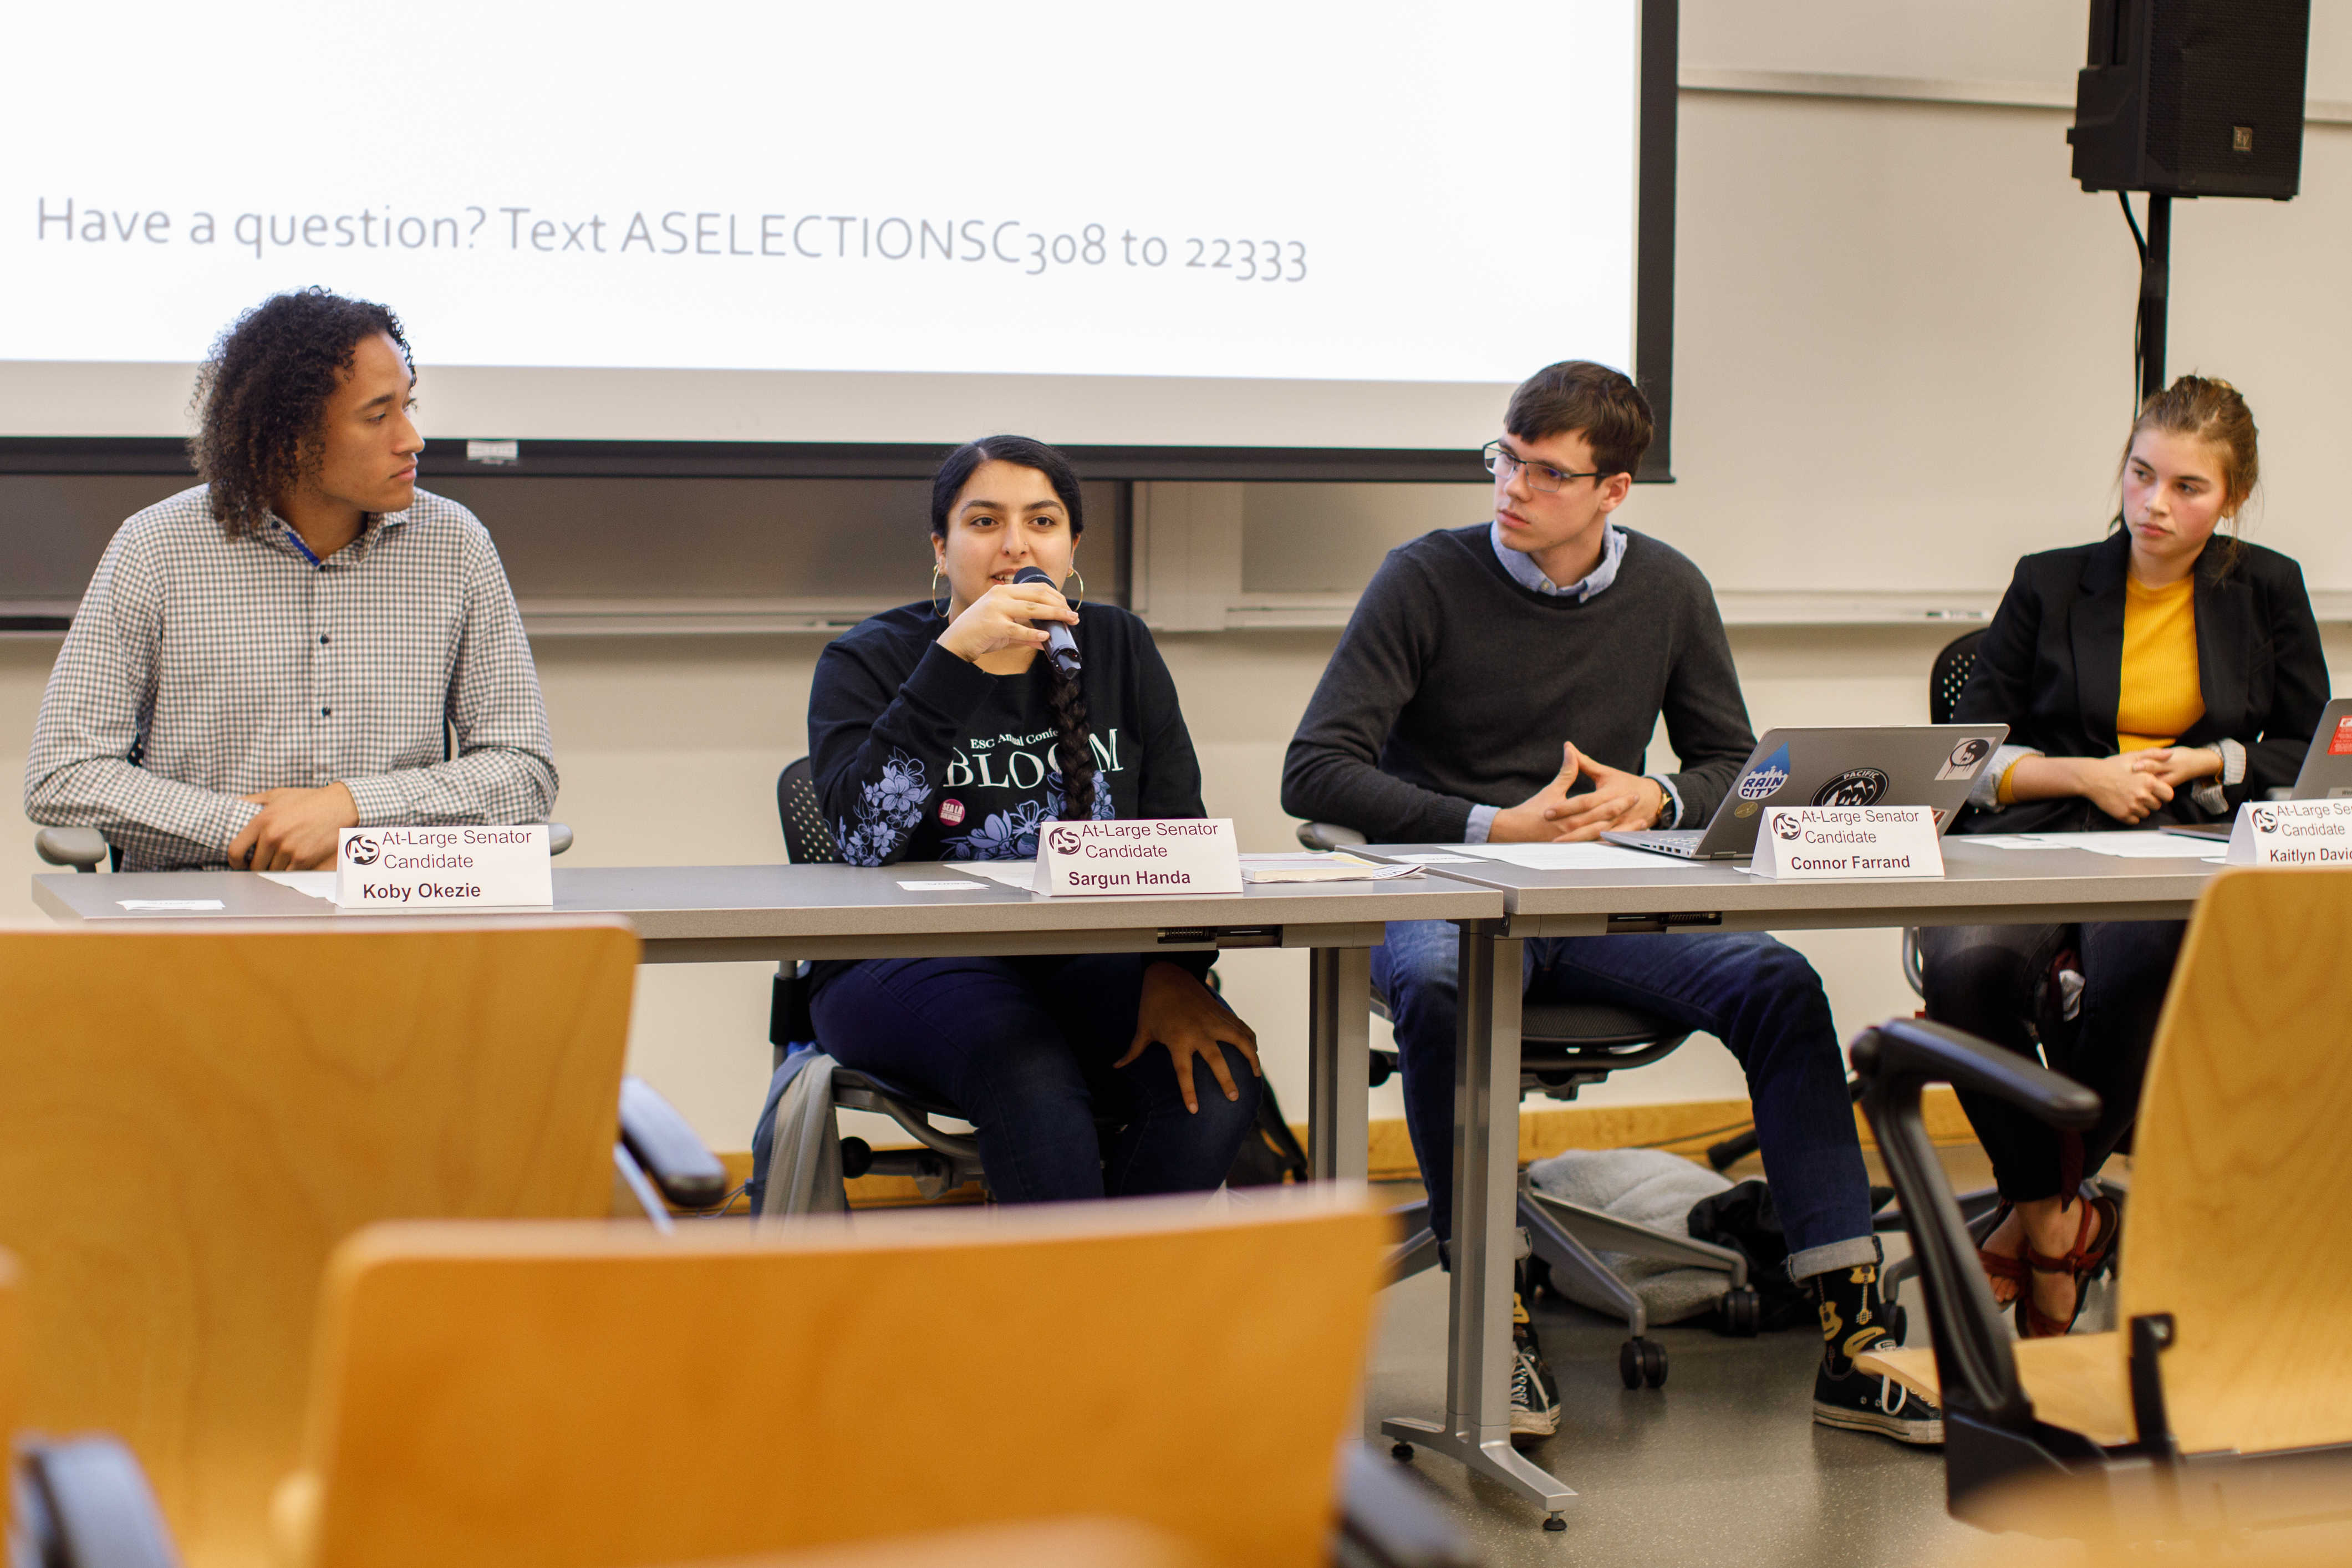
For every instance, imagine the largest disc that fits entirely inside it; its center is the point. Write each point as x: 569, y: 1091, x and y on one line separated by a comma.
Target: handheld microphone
x: 1060, y: 646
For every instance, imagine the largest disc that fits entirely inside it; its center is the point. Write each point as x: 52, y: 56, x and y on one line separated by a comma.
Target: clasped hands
x: 1618, y: 802
x: 296, y: 829
x: 2129, y: 785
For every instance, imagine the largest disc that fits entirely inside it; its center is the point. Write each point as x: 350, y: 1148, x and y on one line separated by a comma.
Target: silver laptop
x: 2328, y: 766
x: 1933, y: 765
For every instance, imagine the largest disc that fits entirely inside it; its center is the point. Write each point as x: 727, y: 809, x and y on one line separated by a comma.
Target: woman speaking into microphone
x: 945, y: 731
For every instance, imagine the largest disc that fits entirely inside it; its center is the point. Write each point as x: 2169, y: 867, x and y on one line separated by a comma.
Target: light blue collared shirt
x: 1529, y: 575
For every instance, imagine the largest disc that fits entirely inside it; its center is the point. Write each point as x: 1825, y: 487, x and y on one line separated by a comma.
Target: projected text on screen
x: 1389, y: 194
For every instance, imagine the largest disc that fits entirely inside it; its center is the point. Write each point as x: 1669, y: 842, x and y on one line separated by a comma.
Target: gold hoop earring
x: 938, y: 603
x: 1081, y: 599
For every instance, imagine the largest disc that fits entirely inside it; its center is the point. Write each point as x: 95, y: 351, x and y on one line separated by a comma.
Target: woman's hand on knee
x: 1185, y: 1015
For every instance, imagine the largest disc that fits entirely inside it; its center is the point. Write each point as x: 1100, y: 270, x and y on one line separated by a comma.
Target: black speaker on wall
x: 2193, y: 98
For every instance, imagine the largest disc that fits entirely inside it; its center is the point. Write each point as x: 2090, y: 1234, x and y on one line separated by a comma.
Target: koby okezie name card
x: 1840, y: 843
x: 445, y: 869
x: 1138, y: 859
x: 2292, y: 833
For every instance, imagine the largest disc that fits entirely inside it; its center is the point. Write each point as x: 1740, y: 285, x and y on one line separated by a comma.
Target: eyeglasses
x: 1502, y: 462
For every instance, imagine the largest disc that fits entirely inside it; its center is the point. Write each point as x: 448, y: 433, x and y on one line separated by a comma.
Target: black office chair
x: 1563, y: 1047
x: 945, y: 1160
x: 1980, y: 1208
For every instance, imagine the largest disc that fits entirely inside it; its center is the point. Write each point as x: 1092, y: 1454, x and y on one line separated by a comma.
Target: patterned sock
x: 1854, y: 1318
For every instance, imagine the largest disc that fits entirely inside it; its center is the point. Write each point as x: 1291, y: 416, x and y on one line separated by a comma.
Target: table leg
x: 1478, y: 1430
x: 1339, y: 1061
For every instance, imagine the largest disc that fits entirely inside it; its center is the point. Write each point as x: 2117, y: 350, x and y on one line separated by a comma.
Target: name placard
x: 2292, y: 833
x: 1841, y: 843
x: 444, y: 868
x: 1138, y: 859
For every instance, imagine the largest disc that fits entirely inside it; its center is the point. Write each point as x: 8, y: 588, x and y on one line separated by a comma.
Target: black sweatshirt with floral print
x: 918, y: 756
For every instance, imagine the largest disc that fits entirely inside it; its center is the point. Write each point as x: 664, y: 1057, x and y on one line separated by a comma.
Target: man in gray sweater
x: 1500, y: 684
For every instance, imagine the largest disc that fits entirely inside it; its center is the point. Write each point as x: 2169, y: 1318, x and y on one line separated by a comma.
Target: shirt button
x: 326, y: 713
x: 322, y: 636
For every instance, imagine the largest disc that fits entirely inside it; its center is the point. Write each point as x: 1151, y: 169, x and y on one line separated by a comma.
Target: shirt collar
x: 283, y: 531
x: 1529, y: 575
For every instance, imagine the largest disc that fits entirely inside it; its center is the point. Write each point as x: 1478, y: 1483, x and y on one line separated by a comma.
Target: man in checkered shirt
x: 281, y: 651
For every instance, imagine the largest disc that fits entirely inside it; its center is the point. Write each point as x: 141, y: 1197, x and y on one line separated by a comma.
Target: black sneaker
x: 1535, y: 1397
x: 1862, y: 1401
x: 1854, y: 1321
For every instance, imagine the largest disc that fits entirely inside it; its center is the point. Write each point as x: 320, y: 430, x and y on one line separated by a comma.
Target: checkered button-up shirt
x: 202, y: 667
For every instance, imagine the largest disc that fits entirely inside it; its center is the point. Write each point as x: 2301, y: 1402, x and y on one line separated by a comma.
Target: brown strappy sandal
x: 2000, y: 1266
x: 2086, y: 1258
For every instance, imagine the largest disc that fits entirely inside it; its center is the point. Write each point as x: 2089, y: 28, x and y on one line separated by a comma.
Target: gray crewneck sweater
x: 1454, y: 686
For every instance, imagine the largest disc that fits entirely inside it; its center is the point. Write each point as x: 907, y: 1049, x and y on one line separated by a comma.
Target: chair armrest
x: 1390, y: 1520
x: 559, y: 837
x: 1328, y: 835
x: 1975, y: 1366
x: 689, y: 1175
x: 83, y: 848
x: 87, y: 1504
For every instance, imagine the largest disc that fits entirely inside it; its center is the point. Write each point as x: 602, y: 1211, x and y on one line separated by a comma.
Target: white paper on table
x: 152, y: 904
x: 1319, y: 868
x: 957, y: 886
x: 1577, y: 857
x: 1019, y: 875
x: 2141, y: 845
x: 1434, y: 859
x: 2124, y: 846
x: 310, y: 884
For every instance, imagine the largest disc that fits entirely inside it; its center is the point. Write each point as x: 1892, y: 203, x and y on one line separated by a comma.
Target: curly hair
x: 262, y: 393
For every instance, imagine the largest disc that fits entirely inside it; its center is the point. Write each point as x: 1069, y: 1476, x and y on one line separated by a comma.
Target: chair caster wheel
x: 1402, y: 1451
x: 1555, y: 1523
x: 1741, y: 1313
x: 1639, y: 1362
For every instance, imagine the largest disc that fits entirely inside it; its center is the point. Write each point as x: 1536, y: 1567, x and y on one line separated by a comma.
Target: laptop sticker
x: 1767, y: 776
x: 1855, y: 787
x: 2339, y: 744
x: 1966, y: 759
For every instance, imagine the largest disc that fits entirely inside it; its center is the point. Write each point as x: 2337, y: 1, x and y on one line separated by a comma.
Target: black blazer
x: 2051, y: 667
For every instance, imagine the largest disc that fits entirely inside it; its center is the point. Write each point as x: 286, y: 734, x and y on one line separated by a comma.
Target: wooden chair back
x: 190, y: 1121
x: 2242, y: 1169
x: 592, y: 1396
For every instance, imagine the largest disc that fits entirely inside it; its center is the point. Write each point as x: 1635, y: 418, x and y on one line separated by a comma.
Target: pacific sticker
x: 1966, y: 759
x: 1855, y: 787
x: 1766, y: 777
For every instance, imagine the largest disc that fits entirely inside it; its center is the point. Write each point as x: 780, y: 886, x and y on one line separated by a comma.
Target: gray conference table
x: 1981, y: 886
x: 712, y: 914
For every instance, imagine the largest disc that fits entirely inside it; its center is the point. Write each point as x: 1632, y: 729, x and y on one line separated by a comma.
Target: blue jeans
x: 1759, y: 998
x: 1022, y: 1047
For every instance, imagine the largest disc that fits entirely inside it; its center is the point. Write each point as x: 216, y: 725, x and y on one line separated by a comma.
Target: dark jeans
x: 1022, y: 1047
x: 1757, y: 997
x: 1991, y: 982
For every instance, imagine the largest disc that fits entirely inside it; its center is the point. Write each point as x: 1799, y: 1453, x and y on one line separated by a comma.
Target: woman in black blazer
x: 2165, y: 674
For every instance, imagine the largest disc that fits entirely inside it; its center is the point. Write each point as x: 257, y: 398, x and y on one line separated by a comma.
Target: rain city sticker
x: 1766, y: 777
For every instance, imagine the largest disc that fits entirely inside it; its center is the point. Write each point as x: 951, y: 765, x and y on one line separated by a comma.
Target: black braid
x: 1074, y: 745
